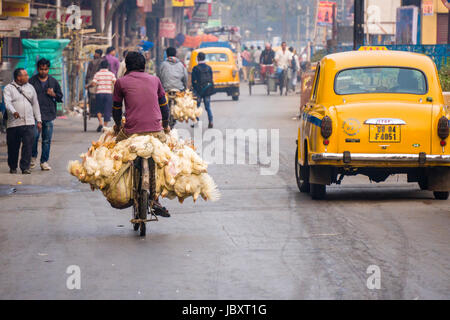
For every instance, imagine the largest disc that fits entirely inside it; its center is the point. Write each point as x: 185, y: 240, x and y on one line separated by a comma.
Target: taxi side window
x: 316, y: 83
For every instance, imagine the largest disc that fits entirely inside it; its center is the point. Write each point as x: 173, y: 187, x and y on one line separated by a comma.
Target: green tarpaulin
x: 51, y: 49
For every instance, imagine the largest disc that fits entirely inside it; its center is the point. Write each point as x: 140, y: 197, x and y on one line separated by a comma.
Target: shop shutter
x: 442, y: 28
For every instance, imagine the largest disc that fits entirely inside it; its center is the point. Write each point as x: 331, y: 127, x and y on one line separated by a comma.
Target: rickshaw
x: 273, y: 82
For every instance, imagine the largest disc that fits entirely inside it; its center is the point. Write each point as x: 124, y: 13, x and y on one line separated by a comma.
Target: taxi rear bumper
x: 348, y: 157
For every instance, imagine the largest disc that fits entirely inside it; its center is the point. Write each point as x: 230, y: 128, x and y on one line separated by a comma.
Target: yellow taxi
x: 375, y: 113
x: 224, y: 67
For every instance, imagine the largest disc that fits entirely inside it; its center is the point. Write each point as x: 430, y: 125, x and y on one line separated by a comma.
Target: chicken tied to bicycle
x: 180, y: 171
x: 185, y: 107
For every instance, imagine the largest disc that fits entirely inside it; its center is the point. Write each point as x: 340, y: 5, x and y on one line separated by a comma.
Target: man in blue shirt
x: 202, y: 81
x: 49, y: 93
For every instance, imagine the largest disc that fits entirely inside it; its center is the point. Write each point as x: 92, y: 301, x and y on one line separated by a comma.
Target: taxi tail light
x: 443, y: 128
x: 326, y: 128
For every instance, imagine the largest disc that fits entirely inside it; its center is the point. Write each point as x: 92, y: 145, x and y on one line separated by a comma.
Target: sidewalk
x: 68, y: 142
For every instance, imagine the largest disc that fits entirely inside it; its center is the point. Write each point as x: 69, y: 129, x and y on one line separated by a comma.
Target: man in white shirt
x: 24, y: 114
x: 283, y: 60
x: 283, y: 57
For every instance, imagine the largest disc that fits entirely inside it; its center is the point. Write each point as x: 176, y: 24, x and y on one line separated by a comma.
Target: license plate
x: 385, y: 133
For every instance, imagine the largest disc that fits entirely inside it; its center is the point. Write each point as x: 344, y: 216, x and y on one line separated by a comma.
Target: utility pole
x: 358, y: 24
x: 298, y: 24
x: 283, y: 8
x: 58, y: 19
x: 307, y: 24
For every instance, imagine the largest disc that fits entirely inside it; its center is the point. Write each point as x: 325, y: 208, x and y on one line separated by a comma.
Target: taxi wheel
x: 303, y: 186
x: 441, y: 195
x: 318, y: 191
x: 423, y: 184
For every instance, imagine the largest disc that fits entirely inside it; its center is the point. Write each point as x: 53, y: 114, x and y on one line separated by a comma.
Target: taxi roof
x: 351, y: 59
x: 213, y: 50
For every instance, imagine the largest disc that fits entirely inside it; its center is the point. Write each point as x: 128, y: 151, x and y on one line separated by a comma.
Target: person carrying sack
x: 202, y: 82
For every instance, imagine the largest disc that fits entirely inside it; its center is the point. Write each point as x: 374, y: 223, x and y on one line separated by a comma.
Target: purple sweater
x: 114, y: 63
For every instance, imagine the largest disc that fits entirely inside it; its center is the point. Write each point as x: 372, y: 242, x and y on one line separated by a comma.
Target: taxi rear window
x: 216, y: 57
x: 380, y: 80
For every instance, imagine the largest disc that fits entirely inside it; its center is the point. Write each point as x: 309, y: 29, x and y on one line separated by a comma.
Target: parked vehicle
x: 377, y: 114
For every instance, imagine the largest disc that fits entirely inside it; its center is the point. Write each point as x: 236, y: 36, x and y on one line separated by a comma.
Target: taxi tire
x: 441, y: 195
x: 303, y: 186
x: 318, y: 191
x: 423, y: 184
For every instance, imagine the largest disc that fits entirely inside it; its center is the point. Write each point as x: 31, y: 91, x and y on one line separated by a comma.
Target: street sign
x: 182, y: 3
x: 428, y: 7
x: 167, y: 29
x: 50, y: 14
x: 200, y: 13
x: 325, y: 13
x: 15, y: 9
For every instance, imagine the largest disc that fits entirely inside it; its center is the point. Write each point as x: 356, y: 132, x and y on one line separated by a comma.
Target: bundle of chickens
x: 180, y: 172
x: 185, y: 107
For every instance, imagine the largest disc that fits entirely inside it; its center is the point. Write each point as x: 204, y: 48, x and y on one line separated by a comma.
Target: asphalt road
x: 262, y: 240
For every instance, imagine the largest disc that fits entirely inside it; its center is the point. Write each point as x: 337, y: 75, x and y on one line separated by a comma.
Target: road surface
x: 262, y: 240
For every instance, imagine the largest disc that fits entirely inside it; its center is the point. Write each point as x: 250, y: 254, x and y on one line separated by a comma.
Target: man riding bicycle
x: 174, y: 77
x: 266, y: 60
x: 146, y: 109
x: 283, y: 60
x: 173, y: 73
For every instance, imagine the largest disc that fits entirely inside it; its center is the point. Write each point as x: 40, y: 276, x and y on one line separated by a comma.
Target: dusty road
x: 262, y: 240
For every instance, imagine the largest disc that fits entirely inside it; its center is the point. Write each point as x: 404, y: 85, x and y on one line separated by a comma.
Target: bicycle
x: 283, y: 82
x: 144, y: 190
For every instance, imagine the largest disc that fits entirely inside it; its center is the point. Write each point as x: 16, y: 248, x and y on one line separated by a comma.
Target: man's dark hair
x: 252, y: 47
x: 259, y: 48
x: 43, y: 62
x: 201, y: 56
x: 99, y: 52
x: 135, y: 61
x: 284, y: 42
x: 17, y: 73
x: 104, y: 64
x: 171, y: 52
x: 110, y: 49
x: 291, y: 49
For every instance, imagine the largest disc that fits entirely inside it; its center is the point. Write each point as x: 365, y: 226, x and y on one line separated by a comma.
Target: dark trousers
x: 15, y: 137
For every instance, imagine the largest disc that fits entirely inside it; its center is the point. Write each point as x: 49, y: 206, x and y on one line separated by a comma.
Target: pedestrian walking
x: 295, y: 67
x: 104, y: 81
x: 23, y: 112
x: 257, y: 56
x: 114, y: 63
x: 48, y: 93
x: 92, y: 69
x: 202, y: 82
x: 2, y: 114
x: 246, y: 62
x: 122, y: 67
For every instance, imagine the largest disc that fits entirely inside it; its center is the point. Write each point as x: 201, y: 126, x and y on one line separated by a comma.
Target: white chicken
x: 180, y: 172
